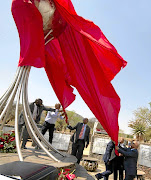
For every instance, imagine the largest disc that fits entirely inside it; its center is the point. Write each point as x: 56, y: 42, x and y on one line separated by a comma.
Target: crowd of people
x: 80, y: 138
x: 117, y: 159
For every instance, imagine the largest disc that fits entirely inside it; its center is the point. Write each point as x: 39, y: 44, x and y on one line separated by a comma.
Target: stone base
x: 39, y: 157
x: 28, y: 171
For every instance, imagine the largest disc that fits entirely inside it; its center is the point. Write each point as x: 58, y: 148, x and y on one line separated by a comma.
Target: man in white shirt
x: 50, y: 121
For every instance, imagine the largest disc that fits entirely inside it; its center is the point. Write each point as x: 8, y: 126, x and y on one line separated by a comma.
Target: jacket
x: 40, y: 108
x: 110, y: 152
x: 130, y: 161
x: 78, y: 128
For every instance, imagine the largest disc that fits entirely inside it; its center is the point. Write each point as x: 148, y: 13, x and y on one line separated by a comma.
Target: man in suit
x: 108, y: 159
x: 80, y: 139
x: 119, y: 161
x: 130, y: 161
x: 36, y: 109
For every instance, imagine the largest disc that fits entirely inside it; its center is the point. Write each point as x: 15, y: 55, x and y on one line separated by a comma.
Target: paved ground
x: 38, y: 156
x: 30, y: 155
x: 101, y: 166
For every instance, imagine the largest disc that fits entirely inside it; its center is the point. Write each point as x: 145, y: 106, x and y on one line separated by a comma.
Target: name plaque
x: 99, y: 145
x: 60, y: 141
x: 145, y: 155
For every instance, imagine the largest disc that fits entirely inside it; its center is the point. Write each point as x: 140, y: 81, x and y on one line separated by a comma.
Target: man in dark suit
x: 130, y: 161
x: 119, y: 161
x: 80, y: 139
x: 36, y: 109
x: 108, y: 159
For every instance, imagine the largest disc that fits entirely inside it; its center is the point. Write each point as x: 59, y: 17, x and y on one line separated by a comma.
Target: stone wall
x: 145, y: 155
x: 98, y: 145
x: 61, y: 140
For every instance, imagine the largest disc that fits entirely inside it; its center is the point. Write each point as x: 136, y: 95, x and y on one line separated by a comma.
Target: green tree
x: 141, y: 124
x: 11, y: 116
x: 148, y: 134
x: 74, y: 118
x: 60, y: 124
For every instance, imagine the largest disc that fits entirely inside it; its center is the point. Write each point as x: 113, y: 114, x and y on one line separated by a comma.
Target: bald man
x: 130, y: 161
x: 80, y: 138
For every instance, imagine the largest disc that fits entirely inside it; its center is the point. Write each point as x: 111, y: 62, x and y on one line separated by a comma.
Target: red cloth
x: 80, y: 56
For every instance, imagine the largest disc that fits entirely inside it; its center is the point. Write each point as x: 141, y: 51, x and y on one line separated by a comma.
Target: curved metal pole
x: 49, y: 40
x: 2, y: 97
x: 10, y: 100
x: 6, y: 95
x: 16, y: 117
x: 48, y: 33
x: 30, y: 127
x: 34, y: 125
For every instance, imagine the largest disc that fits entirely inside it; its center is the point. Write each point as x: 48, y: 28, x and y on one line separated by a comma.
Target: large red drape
x: 80, y: 56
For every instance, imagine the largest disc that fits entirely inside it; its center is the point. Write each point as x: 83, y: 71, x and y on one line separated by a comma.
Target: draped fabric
x: 80, y: 56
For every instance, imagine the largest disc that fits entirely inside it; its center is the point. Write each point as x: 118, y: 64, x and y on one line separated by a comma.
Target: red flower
x: 1, y: 139
x: 12, y: 139
x: 70, y: 176
x: 5, y: 134
x: 67, y: 169
x: 1, y: 146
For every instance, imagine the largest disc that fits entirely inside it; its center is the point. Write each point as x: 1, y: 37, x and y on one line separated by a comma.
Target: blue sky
x: 127, y: 25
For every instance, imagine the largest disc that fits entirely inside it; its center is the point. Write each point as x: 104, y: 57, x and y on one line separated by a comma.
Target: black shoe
x: 37, y: 147
x: 24, y: 147
x: 99, y: 176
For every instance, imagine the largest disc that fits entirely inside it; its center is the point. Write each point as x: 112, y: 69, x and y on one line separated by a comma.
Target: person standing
x: 130, y: 161
x: 36, y: 109
x: 80, y: 138
x: 108, y: 159
x: 119, y: 161
x: 50, y: 121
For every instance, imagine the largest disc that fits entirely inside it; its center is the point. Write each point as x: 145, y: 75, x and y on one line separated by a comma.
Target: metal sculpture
x: 19, y: 86
x: 53, y: 35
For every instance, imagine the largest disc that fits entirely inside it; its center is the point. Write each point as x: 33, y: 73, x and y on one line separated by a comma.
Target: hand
x: 62, y: 114
x: 108, y: 163
x: 86, y: 145
x: 116, y: 147
x: 67, y: 123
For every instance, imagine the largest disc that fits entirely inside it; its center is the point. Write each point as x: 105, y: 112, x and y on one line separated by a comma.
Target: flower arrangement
x: 7, y: 142
x: 66, y: 175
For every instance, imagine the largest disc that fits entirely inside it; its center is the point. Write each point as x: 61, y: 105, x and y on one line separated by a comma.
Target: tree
x: 73, y: 119
x: 141, y: 124
x: 148, y: 134
x: 60, y: 124
x: 11, y: 116
x: 139, y: 128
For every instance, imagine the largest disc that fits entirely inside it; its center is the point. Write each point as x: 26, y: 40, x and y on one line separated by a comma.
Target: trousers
x: 77, y: 149
x: 47, y: 126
